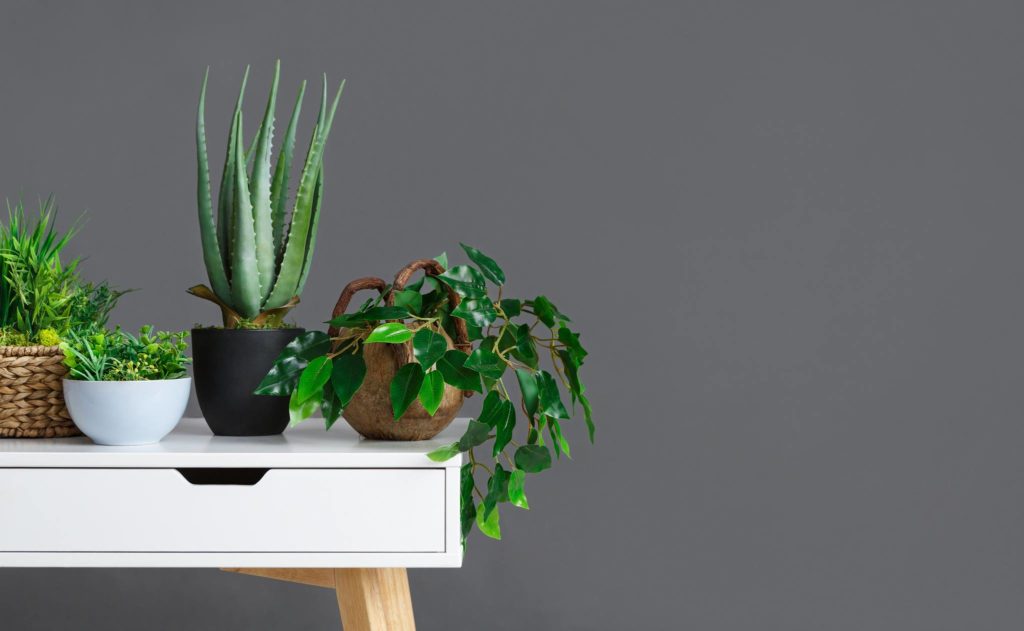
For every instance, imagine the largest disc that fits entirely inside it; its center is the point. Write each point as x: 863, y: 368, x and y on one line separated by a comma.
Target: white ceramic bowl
x: 127, y: 412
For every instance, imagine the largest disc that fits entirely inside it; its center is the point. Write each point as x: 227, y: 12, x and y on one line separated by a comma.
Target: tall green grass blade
x: 279, y: 187
x: 259, y: 187
x: 295, y: 255
x: 245, y: 285
x: 207, y: 229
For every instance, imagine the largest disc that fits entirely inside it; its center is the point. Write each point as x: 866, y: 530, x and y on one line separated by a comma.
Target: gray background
x: 790, y: 234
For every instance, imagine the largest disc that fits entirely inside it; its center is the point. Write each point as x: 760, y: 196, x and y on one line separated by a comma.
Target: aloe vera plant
x: 257, y: 255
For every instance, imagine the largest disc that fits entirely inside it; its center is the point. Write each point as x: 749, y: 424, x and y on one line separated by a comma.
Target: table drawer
x: 281, y: 510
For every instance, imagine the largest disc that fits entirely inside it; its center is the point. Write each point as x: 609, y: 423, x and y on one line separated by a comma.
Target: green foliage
x: 257, y: 263
x: 42, y: 298
x: 120, y: 356
x: 506, y: 335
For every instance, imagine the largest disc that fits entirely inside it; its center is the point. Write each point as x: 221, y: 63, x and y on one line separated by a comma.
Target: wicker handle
x: 359, y: 284
x: 432, y: 268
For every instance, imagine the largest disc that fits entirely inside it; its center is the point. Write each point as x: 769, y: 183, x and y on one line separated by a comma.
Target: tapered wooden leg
x: 374, y: 599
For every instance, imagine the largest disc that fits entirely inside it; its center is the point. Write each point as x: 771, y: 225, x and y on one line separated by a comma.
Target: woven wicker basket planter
x: 31, y: 393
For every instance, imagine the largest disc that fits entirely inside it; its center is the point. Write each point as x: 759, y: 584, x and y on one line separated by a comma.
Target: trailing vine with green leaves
x: 526, y: 341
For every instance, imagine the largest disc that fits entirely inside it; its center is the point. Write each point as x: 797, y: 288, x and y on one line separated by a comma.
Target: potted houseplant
x: 257, y: 257
x: 398, y: 366
x: 126, y: 390
x: 42, y: 300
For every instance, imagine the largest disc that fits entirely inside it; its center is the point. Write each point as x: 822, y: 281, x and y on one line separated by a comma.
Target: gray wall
x: 789, y: 233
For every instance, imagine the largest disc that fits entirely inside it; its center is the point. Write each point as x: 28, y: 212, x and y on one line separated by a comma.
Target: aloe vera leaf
x: 245, y: 285
x: 207, y: 228
x: 298, y: 235
x: 279, y: 186
x: 259, y: 187
x: 318, y: 197
x: 226, y: 200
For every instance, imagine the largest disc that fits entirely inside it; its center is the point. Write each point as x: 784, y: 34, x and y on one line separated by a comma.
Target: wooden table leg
x: 370, y: 599
x: 374, y: 599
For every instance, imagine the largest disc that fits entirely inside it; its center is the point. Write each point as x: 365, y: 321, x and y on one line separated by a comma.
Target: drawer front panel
x: 287, y: 510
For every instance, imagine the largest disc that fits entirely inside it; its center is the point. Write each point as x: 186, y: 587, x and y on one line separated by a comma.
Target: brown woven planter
x: 369, y: 411
x: 31, y: 393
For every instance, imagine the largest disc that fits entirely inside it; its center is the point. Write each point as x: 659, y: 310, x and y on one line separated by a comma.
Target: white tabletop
x: 192, y: 444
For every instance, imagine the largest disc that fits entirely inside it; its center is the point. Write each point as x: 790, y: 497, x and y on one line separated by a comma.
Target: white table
x: 310, y: 506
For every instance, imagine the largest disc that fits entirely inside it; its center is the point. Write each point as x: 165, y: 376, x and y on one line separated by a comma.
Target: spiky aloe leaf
x: 259, y: 187
x: 226, y: 200
x: 207, y: 228
x: 245, y: 285
x: 279, y: 187
x: 317, y: 199
x: 295, y: 254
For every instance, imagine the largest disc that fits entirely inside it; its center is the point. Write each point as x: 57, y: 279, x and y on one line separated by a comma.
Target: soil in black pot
x: 228, y: 364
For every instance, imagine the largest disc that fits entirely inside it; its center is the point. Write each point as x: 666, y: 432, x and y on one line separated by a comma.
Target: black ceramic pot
x: 228, y: 364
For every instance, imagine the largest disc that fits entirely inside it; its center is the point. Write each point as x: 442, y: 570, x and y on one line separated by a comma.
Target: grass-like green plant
x: 318, y: 371
x: 257, y: 256
x: 41, y: 297
x: 120, y: 356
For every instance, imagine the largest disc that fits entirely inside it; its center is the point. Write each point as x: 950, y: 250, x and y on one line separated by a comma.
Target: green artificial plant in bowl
x: 257, y: 254
x: 514, y: 343
x: 120, y: 356
x: 123, y: 389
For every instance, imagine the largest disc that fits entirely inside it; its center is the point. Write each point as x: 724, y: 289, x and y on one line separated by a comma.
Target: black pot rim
x: 218, y: 330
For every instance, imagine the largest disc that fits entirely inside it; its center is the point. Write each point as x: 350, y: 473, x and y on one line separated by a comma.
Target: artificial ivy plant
x: 526, y: 341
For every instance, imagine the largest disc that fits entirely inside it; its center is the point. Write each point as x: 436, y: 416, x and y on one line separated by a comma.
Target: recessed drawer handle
x: 223, y: 476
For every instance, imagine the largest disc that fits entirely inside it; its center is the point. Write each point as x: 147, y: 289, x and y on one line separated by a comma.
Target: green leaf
x: 331, y: 407
x: 428, y: 347
x: 497, y: 490
x: 279, y: 185
x: 284, y: 374
x: 411, y: 300
x: 489, y: 526
x: 314, y: 377
x: 442, y: 258
x: 466, y: 281
x: 533, y: 458
x: 405, y: 387
x: 572, y: 344
x: 530, y: 391
x: 299, y: 411
x: 525, y: 349
x: 511, y: 307
x: 478, y: 311
x: 476, y: 434
x: 259, y: 185
x: 558, y: 441
x: 571, y: 369
x: 506, y: 426
x: 517, y: 490
x: 588, y: 416
x: 547, y: 312
x: 212, y: 257
x: 550, y: 399
x: 245, y: 280
x: 486, y: 362
x: 468, y: 509
x: 452, y: 368
x: 347, y: 377
x: 490, y: 412
x: 390, y: 333
x: 442, y: 454
x: 432, y: 392
x: 486, y: 264
x: 371, y: 314
x: 226, y: 208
